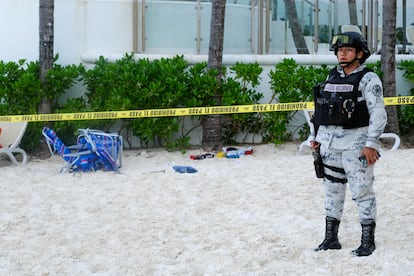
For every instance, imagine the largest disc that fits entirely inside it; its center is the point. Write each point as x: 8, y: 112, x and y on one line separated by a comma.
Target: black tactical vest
x: 336, y: 101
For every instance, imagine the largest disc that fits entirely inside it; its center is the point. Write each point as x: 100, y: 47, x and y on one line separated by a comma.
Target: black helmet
x: 351, y: 39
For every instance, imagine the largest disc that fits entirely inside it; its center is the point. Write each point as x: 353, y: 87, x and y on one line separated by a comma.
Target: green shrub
x: 290, y: 83
x: 406, y: 112
x: 130, y: 84
x: 169, y: 83
x: 21, y: 92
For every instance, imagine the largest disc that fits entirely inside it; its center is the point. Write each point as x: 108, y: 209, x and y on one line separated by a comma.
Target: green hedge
x: 130, y: 84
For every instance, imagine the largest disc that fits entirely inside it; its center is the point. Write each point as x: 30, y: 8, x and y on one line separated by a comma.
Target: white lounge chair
x: 308, y: 115
x: 10, y: 137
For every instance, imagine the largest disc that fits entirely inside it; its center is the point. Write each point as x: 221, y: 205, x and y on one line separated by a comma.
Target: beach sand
x: 261, y: 214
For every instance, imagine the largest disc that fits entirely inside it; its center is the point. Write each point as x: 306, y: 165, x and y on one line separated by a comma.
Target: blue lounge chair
x: 91, y: 152
x: 108, y: 145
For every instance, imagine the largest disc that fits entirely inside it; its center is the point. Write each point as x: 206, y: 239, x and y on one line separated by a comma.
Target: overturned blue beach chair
x: 109, y: 145
x: 95, y: 150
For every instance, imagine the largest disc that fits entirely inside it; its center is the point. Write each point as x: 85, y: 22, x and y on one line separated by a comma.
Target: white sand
x: 261, y: 214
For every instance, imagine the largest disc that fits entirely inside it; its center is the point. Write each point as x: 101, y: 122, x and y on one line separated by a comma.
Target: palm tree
x: 297, y: 32
x: 388, y: 60
x: 46, y: 38
x: 212, y: 125
x: 353, y: 19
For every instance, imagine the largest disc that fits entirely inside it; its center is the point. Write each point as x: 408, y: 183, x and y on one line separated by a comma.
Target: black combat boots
x: 331, y: 235
x: 367, y: 240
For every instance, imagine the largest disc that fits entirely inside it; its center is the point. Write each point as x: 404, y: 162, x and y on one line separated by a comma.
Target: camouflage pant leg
x: 361, y: 182
x: 334, y: 191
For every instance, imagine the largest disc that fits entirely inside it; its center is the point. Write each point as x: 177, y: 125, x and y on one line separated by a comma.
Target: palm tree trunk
x: 296, y: 28
x: 388, y: 61
x: 212, y: 124
x: 353, y: 18
x: 46, y: 38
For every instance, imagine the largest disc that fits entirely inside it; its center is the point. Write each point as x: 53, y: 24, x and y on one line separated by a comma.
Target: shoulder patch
x: 376, y: 90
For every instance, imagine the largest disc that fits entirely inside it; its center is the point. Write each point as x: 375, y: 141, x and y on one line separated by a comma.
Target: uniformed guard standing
x: 349, y: 118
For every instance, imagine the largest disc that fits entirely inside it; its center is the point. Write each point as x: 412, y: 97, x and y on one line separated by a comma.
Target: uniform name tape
x: 192, y: 111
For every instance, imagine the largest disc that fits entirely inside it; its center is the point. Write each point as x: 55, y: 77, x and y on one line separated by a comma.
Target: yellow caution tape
x: 401, y: 100
x: 169, y: 112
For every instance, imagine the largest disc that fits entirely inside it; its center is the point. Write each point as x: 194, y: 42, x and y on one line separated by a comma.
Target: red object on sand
x: 202, y: 156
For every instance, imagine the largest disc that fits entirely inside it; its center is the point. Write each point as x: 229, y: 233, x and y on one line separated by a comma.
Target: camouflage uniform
x: 341, y: 148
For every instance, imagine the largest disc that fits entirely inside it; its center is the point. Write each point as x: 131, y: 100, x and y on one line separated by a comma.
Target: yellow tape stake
x: 171, y: 112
